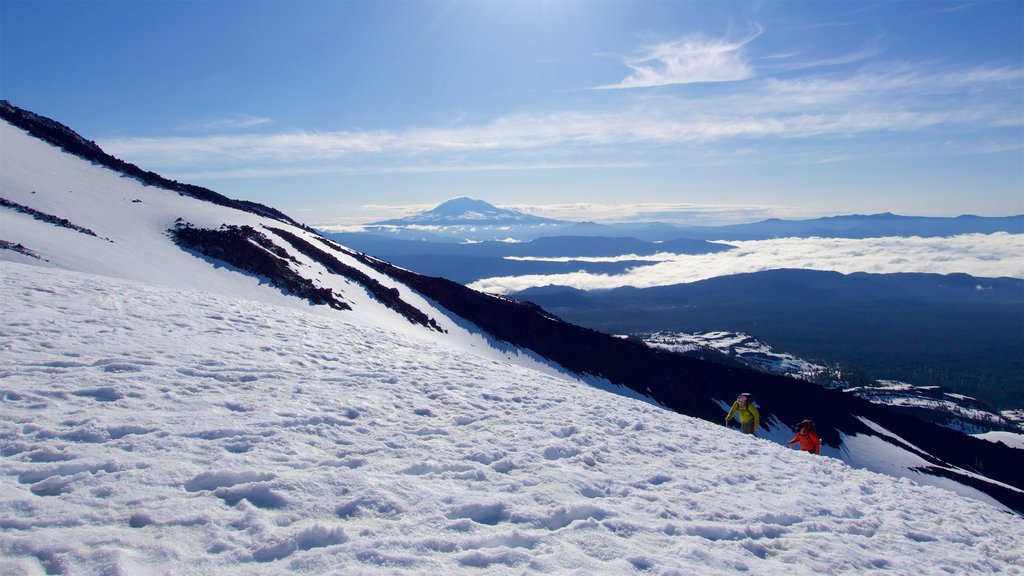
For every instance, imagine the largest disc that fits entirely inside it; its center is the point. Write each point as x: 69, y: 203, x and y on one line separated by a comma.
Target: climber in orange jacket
x: 807, y: 437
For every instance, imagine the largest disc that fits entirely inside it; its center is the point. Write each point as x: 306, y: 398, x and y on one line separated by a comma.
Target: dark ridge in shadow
x: 389, y: 297
x: 44, y: 217
x: 251, y: 251
x: 20, y: 249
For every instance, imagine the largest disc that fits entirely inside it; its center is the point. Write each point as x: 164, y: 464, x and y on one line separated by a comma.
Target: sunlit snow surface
x: 147, y: 430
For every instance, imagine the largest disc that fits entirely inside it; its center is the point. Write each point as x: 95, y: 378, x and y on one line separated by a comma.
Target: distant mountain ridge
x: 851, y: 226
x: 862, y: 226
x: 468, y: 219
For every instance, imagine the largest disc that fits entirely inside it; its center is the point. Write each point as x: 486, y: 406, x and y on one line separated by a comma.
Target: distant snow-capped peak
x: 465, y: 210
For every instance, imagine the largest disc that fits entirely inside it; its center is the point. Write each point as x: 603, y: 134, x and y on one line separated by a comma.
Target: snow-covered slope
x: 130, y: 223
x: 155, y: 430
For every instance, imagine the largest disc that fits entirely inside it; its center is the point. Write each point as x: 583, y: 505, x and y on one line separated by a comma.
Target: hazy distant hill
x: 861, y: 226
x: 847, y: 226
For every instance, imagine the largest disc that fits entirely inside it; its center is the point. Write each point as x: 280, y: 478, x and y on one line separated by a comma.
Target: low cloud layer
x: 983, y: 255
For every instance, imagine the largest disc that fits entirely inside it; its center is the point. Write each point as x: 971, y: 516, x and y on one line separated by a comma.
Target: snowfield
x: 153, y: 430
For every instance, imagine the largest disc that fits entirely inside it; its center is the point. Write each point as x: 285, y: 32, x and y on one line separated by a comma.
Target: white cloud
x: 688, y: 61
x: 991, y: 255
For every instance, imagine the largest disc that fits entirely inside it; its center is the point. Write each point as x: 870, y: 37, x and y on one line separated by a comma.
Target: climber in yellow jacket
x: 750, y: 420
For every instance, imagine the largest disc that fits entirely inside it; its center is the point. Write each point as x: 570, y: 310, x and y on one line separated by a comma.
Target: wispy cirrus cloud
x: 795, y: 61
x: 430, y: 168
x: 901, y: 83
x: 875, y: 100
x: 950, y: 7
x: 983, y: 255
x: 691, y: 60
x: 250, y: 148
x: 229, y: 123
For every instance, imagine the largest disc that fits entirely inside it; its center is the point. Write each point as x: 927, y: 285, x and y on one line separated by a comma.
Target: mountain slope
x: 153, y: 430
x: 249, y: 256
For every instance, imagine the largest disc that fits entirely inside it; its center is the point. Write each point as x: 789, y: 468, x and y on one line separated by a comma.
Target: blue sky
x: 702, y: 112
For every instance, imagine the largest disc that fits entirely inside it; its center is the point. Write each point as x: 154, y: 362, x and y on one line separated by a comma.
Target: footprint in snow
x: 102, y: 394
x: 489, y: 514
x: 559, y: 452
x: 316, y: 536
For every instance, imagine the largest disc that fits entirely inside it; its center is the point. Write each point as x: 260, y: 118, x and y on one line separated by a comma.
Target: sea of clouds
x: 982, y: 255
